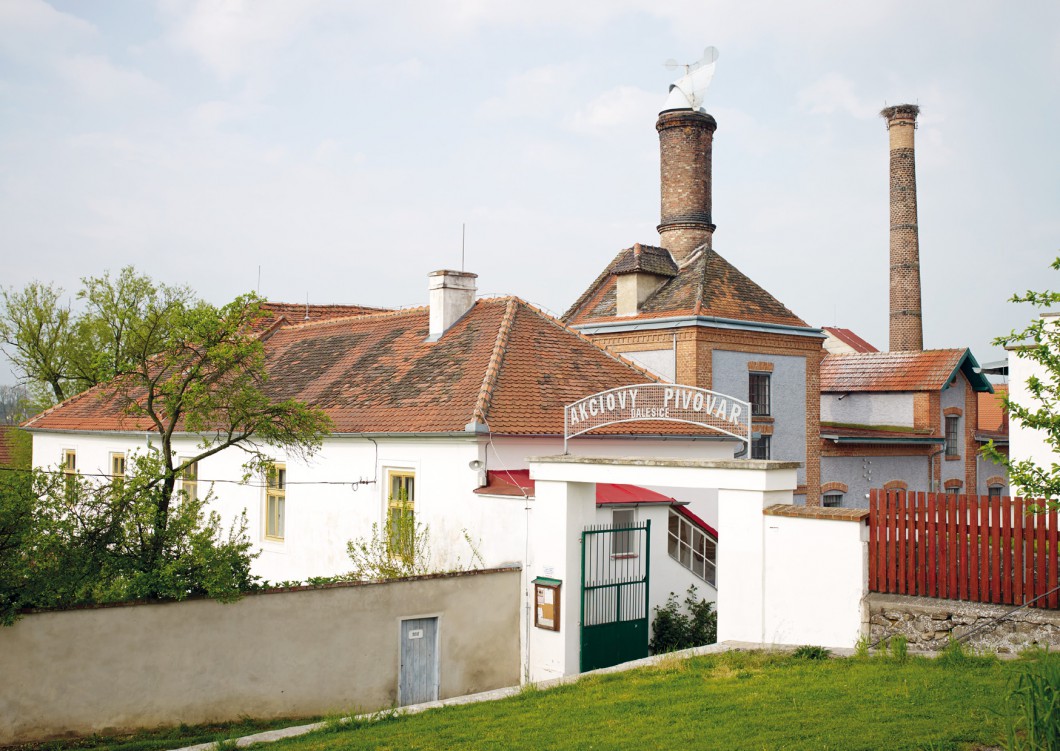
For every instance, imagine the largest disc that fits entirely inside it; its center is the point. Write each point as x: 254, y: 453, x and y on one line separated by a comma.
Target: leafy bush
x: 674, y: 628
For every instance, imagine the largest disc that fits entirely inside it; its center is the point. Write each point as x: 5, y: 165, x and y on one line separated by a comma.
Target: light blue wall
x: 954, y: 397
x: 861, y: 474
x: 787, y: 397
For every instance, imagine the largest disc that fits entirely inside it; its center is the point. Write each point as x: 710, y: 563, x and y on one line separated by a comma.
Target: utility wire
x: 198, y: 479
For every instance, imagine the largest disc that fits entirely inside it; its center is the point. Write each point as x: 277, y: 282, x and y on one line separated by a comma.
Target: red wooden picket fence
x: 962, y: 548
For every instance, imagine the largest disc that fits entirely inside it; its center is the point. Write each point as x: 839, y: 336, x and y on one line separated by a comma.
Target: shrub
x: 811, y: 652
x: 674, y: 629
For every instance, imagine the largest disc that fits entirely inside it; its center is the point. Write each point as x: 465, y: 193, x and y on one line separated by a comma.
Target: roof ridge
x: 697, y: 309
x: 592, y: 288
x: 493, y: 369
x: 574, y: 332
x: 360, y: 317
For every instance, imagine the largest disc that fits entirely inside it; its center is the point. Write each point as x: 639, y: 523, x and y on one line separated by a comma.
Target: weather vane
x: 687, y: 92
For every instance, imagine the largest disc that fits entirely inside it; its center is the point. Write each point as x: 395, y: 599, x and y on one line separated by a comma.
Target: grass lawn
x: 735, y: 700
x: 163, y: 738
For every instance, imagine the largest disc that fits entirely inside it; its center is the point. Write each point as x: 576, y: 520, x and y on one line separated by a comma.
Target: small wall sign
x: 546, y: 603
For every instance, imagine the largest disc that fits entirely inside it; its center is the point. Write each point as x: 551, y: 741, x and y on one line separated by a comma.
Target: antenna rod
x: 463, y: 238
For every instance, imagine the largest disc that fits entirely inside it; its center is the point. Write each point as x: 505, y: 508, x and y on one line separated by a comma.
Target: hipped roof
x: 505, y: 366
x: 704, y: 285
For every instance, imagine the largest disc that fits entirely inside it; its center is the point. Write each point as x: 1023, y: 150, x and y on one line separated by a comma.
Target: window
x: 622, y: 543
x: 401, y: 514
x: 951, y: 435
x: 693, y: 548
x: 117, y: 469
x: 832, y: 500
x: 189, y: 480
x: 760, y: 447
x: 275, y: 500
x: 70, y: 470
x: 758, y: 393
x: 994, y: 491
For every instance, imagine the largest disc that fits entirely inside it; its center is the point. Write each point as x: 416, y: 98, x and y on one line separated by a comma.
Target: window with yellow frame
x: 275, y: 501
x: 401, y: 513
x: 189, y: 479
x: 117, y: 469
x: 70, y: 470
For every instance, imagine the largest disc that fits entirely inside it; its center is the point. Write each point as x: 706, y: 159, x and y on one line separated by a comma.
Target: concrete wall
x: 862, y: 473
x: 816, y: 576
x: 284, y: 654
x: 873, y: 408
x: 787, y: 397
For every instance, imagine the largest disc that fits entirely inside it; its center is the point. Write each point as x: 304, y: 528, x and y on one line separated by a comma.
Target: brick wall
x: 685, y: 140
x: 906, y: 324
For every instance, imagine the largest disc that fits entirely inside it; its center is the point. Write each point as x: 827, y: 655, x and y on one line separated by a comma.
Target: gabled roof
x: 705, y: 285
x: 646, y: 259
x: 927, y: 370
x: 505, y: 365
x: 849, y: 338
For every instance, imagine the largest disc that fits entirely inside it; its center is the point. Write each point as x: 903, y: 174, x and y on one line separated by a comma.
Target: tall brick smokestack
x: 685, y: 140
x: 907, y: 327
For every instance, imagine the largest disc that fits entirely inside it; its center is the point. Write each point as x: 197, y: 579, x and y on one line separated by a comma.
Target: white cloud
x: 538, y: 92
x: 836, y: 94
x: 96, y: 78
x: 617, y: 109
x: 32, y: 30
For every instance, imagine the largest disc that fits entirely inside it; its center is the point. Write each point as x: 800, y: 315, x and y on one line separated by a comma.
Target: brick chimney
x: 907, y: 328
x: 685, y: 140
x: 450, y: 294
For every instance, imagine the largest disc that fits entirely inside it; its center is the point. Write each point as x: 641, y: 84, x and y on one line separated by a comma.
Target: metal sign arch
x: 659, y: 402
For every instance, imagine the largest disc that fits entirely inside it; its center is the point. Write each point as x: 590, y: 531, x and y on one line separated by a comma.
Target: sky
x: 336, y: 151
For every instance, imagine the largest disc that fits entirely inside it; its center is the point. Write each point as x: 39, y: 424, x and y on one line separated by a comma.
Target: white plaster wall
x: 1025, y: 443
x: 661, y: 362
x: 816, y: 576
x: 320, y: 517
x: 870, y: 408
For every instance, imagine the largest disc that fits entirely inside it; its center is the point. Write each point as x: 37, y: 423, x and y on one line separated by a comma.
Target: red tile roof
x: 7, y: 446
x: 850, y: 339
x: 517, y: 483
x: 928, y: 370
x: 300, y: 312
x: 992, y: 417
x: 505, y: 364
x: 705, y: 285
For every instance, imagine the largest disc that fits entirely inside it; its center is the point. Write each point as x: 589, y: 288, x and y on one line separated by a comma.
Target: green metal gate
x: 614, y: 607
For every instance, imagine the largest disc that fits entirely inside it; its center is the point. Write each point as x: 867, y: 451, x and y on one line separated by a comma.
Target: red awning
x: 517, y: 482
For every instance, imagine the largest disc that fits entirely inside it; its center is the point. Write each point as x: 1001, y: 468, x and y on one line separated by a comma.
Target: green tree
x: 202, y: 371
x: 171, y: 366
x: 1038, y: 342
x: 59, y: 352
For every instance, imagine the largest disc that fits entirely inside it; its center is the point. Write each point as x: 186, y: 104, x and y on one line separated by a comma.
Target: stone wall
x: 929, y: 623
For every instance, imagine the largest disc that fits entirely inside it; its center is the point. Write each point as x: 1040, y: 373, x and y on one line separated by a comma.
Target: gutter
x: 674, y: 322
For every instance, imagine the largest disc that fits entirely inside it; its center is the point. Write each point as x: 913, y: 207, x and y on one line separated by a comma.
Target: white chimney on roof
x: 451, y: 294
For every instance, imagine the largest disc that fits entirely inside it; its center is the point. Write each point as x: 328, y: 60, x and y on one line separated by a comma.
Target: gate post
x: 560, y: 511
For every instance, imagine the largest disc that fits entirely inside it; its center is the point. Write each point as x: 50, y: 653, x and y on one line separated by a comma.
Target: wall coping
x: 877, y: 601
x: 277, y: 590
x: 639, y: 461
x: 817, y: 512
